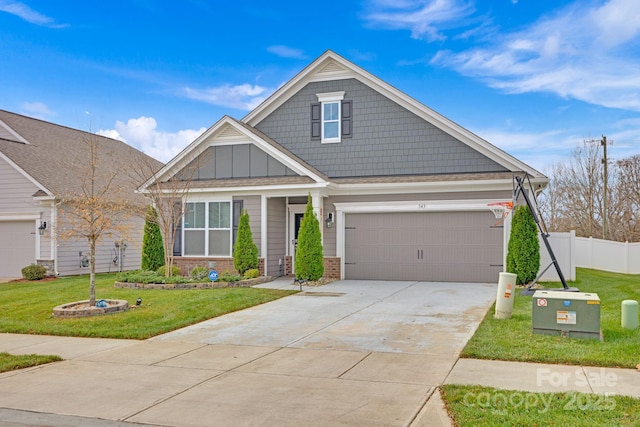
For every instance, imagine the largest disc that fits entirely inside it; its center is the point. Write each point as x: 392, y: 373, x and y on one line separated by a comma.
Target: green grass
x: 10, y: 362
x: 513, y: 339
x: 27, y: 307
x: 489, y: 407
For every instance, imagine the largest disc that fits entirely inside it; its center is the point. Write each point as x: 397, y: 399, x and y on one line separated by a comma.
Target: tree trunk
x: 92, y: 275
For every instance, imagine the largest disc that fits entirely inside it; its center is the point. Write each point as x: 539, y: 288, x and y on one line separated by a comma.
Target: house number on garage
x: 422, y: 205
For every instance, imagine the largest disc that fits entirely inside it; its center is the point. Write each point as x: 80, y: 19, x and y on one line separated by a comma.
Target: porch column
x: 263, y: 230
x: 317, y: 201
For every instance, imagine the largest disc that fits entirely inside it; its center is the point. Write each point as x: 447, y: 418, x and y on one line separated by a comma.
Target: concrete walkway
x: 348, y: 353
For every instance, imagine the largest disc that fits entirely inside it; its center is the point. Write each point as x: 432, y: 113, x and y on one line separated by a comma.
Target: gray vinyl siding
x: 252, y: 205
x: 68, y: 250
x: 16, y: 191
x: 387, y: 139
x: 329, y: 234
x: 276, y: 235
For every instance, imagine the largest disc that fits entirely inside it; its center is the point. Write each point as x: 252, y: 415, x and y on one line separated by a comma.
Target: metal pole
x: 604, y: 202
x: 544, y: 235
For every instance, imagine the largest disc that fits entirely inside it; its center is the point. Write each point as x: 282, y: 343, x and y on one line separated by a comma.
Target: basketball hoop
x: 501, y: 210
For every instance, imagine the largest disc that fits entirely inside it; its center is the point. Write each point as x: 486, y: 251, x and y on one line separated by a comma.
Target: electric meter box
x: 570, y: 314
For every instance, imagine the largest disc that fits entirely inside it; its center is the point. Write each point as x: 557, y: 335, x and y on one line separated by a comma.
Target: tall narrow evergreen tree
x: 523, y: 255
x: 152, y: 248
x: 245, y: 251
x: 309, y: 257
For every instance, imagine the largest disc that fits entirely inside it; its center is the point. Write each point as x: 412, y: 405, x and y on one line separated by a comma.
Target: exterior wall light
x: 42, y: 227
x: 329, y: 220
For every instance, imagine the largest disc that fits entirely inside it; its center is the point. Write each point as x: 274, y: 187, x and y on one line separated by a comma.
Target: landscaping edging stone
x: 204, y: 285
x: 82, y: 308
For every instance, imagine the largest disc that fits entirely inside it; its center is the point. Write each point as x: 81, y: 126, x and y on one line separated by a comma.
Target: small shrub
x: 34, y: 272
x: 523, y: 251
x: 199, y: 273
x: 175, y: 271
x: 245, y: 251
x: 251, y: 274
x: 309, y: 255
x: 227, y: 276
x: 152, y: 247
x: 175, y: 279
x: 140, y: 276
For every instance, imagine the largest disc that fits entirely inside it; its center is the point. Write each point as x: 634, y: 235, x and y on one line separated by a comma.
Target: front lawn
x: 488, y: 407
x: 26, y: 307
x: 513, y: 339
x: 9, y: 362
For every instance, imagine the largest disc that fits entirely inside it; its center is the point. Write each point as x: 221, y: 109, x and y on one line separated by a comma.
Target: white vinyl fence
x: 563, y: 246
x: 607, y: 255
x: 572, y: 252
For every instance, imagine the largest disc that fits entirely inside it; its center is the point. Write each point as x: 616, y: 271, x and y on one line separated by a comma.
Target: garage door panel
x: 17, y: 247
x: 433, y: 246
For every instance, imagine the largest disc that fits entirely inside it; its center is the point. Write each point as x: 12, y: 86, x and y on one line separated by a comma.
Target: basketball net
x: 501, y: 210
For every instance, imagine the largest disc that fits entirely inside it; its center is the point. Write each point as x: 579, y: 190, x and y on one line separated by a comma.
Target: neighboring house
x: 402, y: 193
x: 42, y: 165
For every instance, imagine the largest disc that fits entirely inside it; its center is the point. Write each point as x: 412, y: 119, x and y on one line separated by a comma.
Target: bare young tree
x: 101, y: 203
x: 168, y: 196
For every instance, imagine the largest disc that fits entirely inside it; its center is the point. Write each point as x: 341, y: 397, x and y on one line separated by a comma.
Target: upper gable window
x: 330, y: 122
x: 331, y: 117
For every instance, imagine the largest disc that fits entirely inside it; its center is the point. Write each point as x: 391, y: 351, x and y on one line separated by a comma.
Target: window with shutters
x: 331, y: 117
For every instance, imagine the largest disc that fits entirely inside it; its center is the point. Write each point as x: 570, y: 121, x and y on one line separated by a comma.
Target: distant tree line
x: 576, y: 195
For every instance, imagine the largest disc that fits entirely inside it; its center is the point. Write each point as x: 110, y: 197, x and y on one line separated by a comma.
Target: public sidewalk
x: 109, y: 383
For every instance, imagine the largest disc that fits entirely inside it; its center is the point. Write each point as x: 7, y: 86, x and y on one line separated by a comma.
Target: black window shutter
x: 316, y: 121
x: 237, y: 211
x: 347, y: 116
x: 177, y: 241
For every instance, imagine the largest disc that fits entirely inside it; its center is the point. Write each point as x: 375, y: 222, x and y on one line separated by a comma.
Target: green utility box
x: 570, y: 314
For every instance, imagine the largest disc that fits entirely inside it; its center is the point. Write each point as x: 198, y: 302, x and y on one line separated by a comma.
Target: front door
x: 296, y: 213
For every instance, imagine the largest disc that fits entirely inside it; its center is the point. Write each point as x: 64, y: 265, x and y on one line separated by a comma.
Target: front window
x: 207, y: 229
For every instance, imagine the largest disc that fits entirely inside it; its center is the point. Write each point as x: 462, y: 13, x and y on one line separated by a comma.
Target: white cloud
x: 23, y: 11
x: 424, y: 18
x: 242, y: 97
x: 585, y: 53
x: 287, y: 52
x: 142, y: 133
x: 39, y: 110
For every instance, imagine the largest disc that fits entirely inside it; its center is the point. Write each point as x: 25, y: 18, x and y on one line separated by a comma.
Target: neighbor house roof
x: 55, y: 158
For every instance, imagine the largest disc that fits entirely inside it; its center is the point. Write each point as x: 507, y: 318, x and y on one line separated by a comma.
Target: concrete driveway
x: 351, y: 353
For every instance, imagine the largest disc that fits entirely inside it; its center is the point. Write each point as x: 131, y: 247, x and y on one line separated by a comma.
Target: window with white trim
x: 331, y: 122
x: 207, y: 229
x: 331, y: 117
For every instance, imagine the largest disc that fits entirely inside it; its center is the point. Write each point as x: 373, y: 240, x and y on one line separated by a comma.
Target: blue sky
x: 533, y: 77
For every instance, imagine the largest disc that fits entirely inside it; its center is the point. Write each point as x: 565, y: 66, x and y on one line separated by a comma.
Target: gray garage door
x: 17, y: 247
x: 434, y: 246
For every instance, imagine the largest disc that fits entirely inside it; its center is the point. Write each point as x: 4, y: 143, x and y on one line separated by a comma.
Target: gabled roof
x: 228, y: 130
x: 331, y: 66
x: 55, y: 157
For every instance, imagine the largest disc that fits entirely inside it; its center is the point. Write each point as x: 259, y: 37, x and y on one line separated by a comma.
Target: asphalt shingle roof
x: 58, y: 157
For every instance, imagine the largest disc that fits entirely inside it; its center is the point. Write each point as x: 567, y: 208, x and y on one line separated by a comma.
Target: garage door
x: 17, y: 247
x: 434, y: 246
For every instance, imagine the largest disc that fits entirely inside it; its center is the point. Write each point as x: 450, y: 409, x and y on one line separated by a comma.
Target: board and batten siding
x: 276, y: 236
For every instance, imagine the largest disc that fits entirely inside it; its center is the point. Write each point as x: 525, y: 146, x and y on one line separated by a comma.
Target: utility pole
x: 603, y: 142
